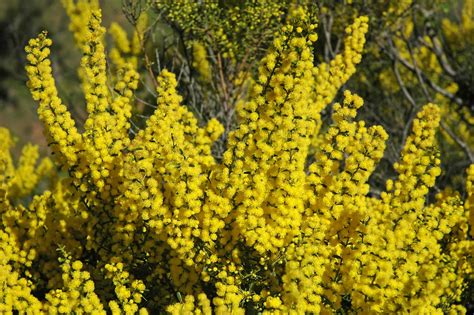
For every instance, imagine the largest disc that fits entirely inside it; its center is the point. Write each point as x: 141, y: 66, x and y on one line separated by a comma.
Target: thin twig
x: 395, y: 55
x: 461, y: 143
x: 145, y: 102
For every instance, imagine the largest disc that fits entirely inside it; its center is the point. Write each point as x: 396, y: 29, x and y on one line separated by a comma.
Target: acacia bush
x: 278, y: 217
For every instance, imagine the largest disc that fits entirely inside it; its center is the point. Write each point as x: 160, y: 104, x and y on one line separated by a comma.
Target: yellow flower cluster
x: 126, y: 52
x: 268, y: 150
x: 123, y: 55
x: 402, y: 264
x: 129, y: 295
x: 152, y: 223
x: 80, y: 12
x: 20, y: 180
x: 61, y: 131
x: 232, y: 29
x: 200, y: 62
x: 16, y: 292
x: 469, y: 205
x: 77, y: 294
x: 329, y: 78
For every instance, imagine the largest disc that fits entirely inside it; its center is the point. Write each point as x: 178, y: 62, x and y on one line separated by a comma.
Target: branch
x: 437, y: 49
x: 395, y: 55
x: 402, y: 85
x: 460, y: 142
x: 417, y: 71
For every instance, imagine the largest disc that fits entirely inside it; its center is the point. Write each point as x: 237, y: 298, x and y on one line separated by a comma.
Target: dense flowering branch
x: 154, y: 223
